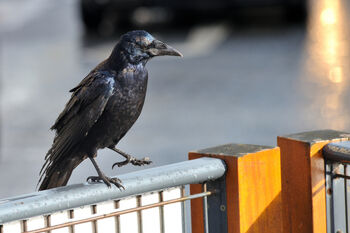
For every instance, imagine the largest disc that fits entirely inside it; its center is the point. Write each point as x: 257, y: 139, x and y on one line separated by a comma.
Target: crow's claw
x: 107, y: 180
x: 120, y: 164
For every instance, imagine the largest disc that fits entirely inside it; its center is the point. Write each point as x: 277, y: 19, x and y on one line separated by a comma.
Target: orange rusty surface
x: 253, y: 186
x: 260, y: 201
x: 296, y: 186
x: 303, y: 185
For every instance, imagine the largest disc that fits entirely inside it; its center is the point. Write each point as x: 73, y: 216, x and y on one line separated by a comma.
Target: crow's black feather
x: 102, y: 107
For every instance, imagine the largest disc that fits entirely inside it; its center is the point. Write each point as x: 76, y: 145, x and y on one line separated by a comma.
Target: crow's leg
x: 130, y: 159
x: 107, y: 180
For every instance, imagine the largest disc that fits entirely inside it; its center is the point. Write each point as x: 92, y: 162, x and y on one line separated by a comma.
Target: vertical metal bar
x: 1, y: 229
x: 71, y: 216
x: 161, y: 213
x: 48, y: 222
x: 205, y: 209
x: 347, y: 196
x: 24, y: 225
x: 217, y: 206
x: 117, y: 218
x: 329, y: 197
x: 183, y: 210
x: 139, y: 214
x: 332, y: 199
x: 94, y: 223
x: 346, y: 200
x: 339, y: 208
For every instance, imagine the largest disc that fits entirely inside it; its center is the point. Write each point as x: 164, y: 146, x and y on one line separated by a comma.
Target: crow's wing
x: 80, y: 114
x: 83, y: 93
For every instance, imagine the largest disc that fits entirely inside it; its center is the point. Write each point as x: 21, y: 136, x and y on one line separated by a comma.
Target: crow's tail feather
x: 57, y: 173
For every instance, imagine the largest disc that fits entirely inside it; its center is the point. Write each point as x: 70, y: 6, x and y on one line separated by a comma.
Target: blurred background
x: 251, y: 70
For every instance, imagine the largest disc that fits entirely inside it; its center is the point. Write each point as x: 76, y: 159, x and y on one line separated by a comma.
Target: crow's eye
x: 138, y: 46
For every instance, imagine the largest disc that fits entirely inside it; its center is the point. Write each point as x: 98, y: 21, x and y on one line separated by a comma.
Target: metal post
x: 94, y: 223
x: 71, y: 216
x: 205, y: 210
x: 217, y: 206
x: 139, y: 214
x: 329, y: 197
x: 183, y: 210
x: 161, y: 213
x: 346, y: 200
x: 117, y: 218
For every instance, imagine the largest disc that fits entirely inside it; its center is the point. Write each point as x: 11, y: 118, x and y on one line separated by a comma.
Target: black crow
x: 102, y: 109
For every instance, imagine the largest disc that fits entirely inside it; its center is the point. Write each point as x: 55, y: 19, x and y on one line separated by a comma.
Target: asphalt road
x: 234, y: 84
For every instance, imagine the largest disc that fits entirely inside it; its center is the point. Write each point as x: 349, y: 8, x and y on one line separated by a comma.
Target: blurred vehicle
x: 93, y: 12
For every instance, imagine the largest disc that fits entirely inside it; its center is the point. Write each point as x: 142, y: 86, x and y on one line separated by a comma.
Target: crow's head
x: 140, y: 46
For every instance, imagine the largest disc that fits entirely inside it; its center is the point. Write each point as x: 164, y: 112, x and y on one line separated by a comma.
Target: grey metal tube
x: 337, y: 151
x: 62, y: 198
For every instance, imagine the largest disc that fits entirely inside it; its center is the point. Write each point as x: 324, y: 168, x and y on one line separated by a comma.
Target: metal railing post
x: 217, y: 206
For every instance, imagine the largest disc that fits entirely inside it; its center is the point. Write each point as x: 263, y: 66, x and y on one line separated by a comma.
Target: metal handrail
x: 143, y: 181
x: 337, y: 151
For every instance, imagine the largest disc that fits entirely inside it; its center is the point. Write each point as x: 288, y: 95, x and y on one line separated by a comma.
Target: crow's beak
x: 162, y: 49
